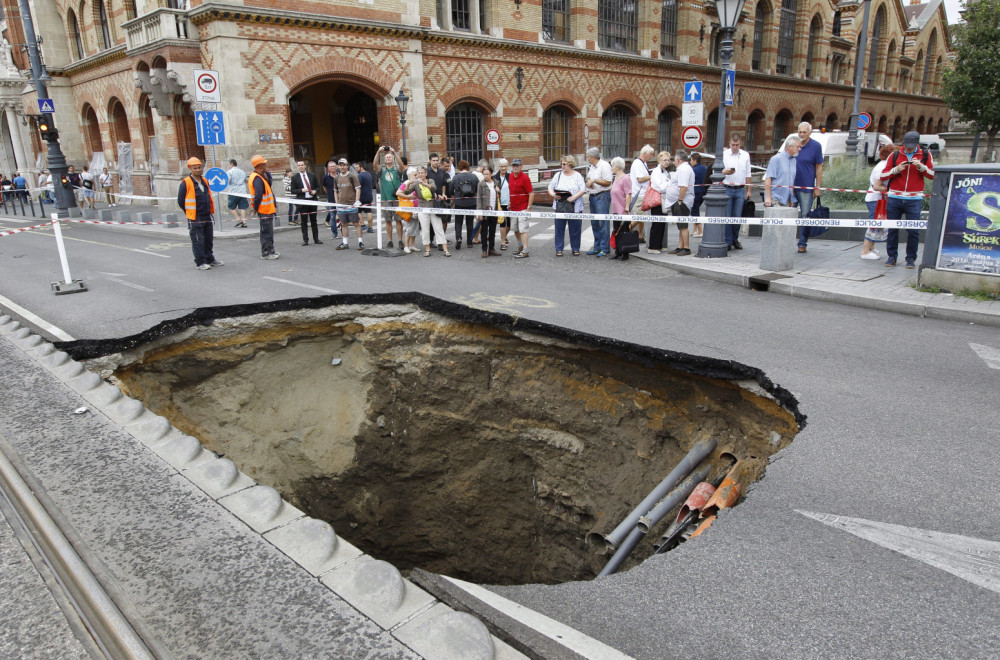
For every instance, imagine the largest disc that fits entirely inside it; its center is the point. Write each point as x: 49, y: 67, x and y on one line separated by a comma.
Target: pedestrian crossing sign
x: 46, y: 105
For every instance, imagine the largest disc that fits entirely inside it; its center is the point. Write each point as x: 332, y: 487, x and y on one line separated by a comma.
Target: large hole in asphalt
x: 461, y: 442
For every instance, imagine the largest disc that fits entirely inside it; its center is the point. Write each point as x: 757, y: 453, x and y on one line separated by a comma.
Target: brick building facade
x: 317, y: 78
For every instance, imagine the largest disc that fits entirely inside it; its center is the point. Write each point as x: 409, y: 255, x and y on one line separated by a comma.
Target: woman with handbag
x: 486, y: 200
x: 567, y: 190
x: 425, y: 193
x: 621, y: 198
x: 655, y: 202
x: 876, y: 202
x: 409, y: 227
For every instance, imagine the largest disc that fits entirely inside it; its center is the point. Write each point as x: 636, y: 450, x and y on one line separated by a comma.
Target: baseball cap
x: 516, y: 161
x: 911, y: 139
x: 343, y: 161
x: 258, y: 160
x: 193, y: 162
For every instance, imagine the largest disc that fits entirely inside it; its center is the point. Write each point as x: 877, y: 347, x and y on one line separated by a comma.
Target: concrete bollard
x: 105, y: 214
x: 123, y: 216
x: 144, y: 216
x: 170, y: 219
x: 777, y: 250
x: 89, y: 214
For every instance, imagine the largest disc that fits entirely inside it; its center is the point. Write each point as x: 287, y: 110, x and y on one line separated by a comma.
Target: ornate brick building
x: 316, y: 78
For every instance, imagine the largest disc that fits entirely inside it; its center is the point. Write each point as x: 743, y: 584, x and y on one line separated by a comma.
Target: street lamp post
x: 859, y: 73
x: 401, y: 101
x: 65, y: 199
x: 713, y: 242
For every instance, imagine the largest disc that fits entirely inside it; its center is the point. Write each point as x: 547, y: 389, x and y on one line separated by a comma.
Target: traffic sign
x: 864, y: 121
x: 211, y: 128
x: 692, y: 114
x: 691, y: 137
x: 692, y: 91
x: 730, y: 86
x: 217, y: 179
x: 206, y: 86
x: 46, y: 105
x: 492, y: 136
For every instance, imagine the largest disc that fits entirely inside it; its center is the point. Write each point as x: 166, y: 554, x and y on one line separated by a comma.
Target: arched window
x: 555, y: 134
x: 92, y: 131
x: 874, y: 46
x: 896, y: 125
x: 133, y: 11
x: 836, y: 23
x: 759, y: 22
x: 555, y: 20
x: 786, y: 37
x: 807, y: 118
x: 105, y: 25
x: 464, y: 126
x: 665, y: 130
x: 937, y: 77
x: 76, y: 41
x: 815, y: 30
x: 831, y: 121
x: 890, y: 66
x: 716, y: 44
x: 711, y: 128
x: 119, y: 123
x: 615, y: 132
x: 927, y: 62
x: 910, y: 124
x: 668, y: 30
x: 618, y: 24
x: 755, y: 130
x: 782, y: 122
x: 904, y: 80
x: 920, y: 125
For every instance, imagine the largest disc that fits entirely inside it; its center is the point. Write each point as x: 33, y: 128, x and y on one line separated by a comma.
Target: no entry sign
x: 691, y: 137
x: 206, y: 86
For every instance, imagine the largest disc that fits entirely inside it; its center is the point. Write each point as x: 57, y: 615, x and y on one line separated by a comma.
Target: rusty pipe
x: 695, y: 456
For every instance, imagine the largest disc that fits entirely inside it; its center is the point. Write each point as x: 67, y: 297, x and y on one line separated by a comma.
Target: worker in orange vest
x: 262, y: 201
x: 195, y: 199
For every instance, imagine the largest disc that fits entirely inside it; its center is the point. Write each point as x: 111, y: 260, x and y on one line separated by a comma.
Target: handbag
x: 405, y: 203
x: 749, y: 209
x: 628, y: 241
x: 877, y: 235
x: 652, y: 198
x: 819, y: 212
x: 680, y: 209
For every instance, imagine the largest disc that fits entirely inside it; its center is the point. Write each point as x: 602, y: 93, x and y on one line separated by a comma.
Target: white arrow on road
x: 991, y: 356
x: 974, y: 560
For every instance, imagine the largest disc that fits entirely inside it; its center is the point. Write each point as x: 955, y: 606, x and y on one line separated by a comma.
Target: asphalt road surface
x: 831, y: 555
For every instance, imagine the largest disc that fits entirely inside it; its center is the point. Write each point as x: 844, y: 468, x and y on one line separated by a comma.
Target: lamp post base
x: 713, y: 242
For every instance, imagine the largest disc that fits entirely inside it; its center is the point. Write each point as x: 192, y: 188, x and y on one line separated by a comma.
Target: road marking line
x: 305, y: 286
x: 32, y: 318
x: 134, y: 286
x: 562, y: 634
x: 971, y: 559
x: 83, y: 240
x: 991, y: 356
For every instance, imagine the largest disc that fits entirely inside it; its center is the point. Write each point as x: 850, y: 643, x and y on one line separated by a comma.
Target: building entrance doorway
x: 333, y: 120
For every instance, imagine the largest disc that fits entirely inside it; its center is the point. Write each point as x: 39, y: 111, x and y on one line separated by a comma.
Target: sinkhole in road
x: 432, y: 435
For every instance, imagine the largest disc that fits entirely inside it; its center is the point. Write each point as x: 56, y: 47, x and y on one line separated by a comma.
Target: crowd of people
x: 423, y: 200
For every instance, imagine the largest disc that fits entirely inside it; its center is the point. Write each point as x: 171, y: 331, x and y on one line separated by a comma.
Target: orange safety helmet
x: 193, y: 162
x: 258, y: 160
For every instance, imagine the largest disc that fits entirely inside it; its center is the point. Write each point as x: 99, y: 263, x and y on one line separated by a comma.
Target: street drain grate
x: 433, y: 435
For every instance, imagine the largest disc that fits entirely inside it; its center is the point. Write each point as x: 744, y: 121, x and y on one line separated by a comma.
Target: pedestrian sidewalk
x: 833, y: 271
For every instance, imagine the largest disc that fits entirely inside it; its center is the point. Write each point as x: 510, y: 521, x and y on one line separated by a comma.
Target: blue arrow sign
x: 211, y: 127
x: 692, y: 91
x: 730, y: 86
x: 46, y: 105
x: 217, y: 179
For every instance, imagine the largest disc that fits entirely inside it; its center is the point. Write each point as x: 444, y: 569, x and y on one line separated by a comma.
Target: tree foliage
x: 972, y: 88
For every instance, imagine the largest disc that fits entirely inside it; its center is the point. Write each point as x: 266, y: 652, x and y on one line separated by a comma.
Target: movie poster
x: 970, y: 237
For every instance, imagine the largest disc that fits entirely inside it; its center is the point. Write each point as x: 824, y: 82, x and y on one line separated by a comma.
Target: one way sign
x: 46, y: 106
x: 692, y: 91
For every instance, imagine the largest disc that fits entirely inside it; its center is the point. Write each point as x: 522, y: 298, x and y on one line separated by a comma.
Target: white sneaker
x: 204, y: 267
x: 273, y: 255
x: 407, y: 250
x: 871, y: 256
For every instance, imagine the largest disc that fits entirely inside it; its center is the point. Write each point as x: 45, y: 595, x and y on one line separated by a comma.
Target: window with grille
x: 786, y: 37
x: 464, y: 125
x: 461, y: 14
x: 665, y: 131
x: 710, y: 133
x: 618, y: 24
x: 555, y: 20
x: 668, y: 30
x: 555, y: 134
x: 753, y: 130
x: 780, y: 129
x: 102, y: 17
x: 74, y: 31
x: 759, y: 21
x: 874, y: 47
x: 836, y: 23
x: 614, y: 132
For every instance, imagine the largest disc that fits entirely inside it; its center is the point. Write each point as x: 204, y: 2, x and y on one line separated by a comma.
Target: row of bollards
x: 13, y: 203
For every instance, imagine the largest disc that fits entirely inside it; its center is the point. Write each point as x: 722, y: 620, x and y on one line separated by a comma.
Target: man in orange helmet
x: 195, y: 199
x: 262, y: 201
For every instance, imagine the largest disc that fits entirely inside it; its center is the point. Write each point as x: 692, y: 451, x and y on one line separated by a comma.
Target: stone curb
x: 375, y: 588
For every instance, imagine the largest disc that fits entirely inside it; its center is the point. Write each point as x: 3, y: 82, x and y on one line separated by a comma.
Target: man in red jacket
x: 904, y: 175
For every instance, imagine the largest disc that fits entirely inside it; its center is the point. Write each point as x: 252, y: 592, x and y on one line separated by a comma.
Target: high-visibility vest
x: 267, y: 206
x: 190, y: 203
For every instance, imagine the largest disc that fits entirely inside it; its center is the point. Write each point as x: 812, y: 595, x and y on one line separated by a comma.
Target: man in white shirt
x: 736, y: 167
x: 238, y: 205
x: 639, y: 173
x: 599, y: 180
x: 684, y: 178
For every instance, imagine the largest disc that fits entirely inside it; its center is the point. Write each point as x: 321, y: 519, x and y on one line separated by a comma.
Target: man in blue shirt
x: 780, y: 173
x: 21, y: 185
x: 808, y: 174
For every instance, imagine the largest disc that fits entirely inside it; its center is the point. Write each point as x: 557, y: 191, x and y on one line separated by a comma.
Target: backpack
x: 466, y: 188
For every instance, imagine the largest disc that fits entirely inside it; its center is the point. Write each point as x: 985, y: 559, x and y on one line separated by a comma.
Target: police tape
x: 10, y: 232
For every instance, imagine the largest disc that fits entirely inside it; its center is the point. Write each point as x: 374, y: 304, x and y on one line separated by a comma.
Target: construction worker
x: 195, y: 199
x: 259, y: 186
